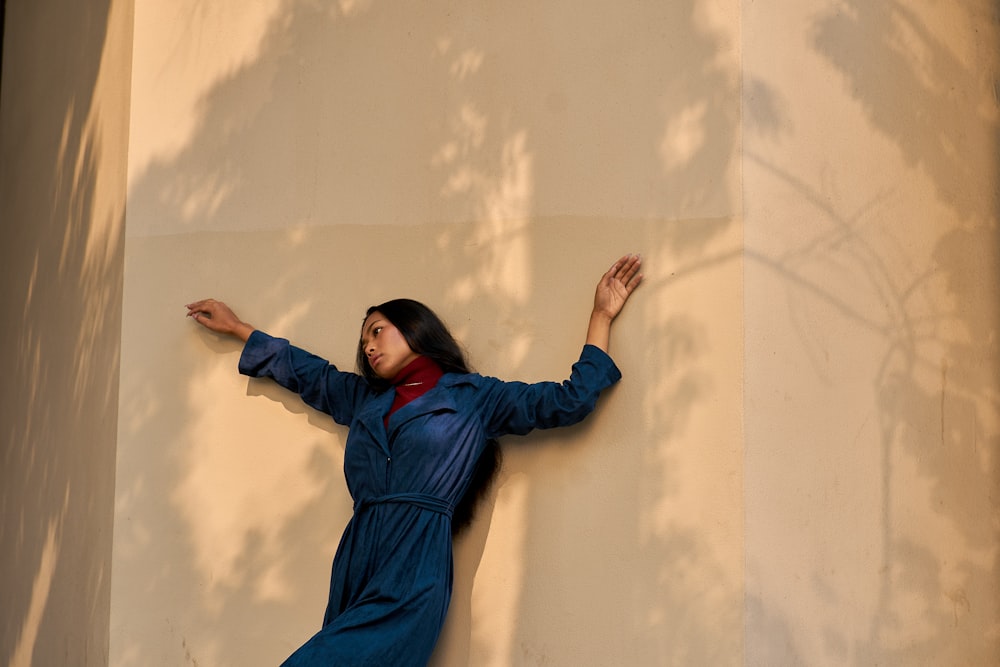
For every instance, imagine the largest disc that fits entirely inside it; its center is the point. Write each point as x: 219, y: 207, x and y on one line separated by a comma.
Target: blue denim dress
x: 392, y: 574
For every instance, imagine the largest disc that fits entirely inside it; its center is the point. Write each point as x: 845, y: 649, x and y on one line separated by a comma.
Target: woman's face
x: 385, y: 348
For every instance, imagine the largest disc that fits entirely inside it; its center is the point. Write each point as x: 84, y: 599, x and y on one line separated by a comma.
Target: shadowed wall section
x: 63, y: 143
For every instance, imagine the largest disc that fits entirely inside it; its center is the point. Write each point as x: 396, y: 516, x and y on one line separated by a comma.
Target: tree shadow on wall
x: 942, y: 114
x: 936, y: 384
x: 339, y: 115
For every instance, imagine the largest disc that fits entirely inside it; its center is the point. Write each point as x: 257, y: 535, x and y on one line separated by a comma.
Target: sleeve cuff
x: 258, y: 348
x: 602, y: 361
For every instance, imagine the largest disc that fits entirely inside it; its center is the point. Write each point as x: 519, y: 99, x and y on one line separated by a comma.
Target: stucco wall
x: 872, y: 254
x: 63, y: 142
x: 799, y: 466
x: 305, y: 160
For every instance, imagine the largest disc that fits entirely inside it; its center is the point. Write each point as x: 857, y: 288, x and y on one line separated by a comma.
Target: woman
x: 420, y: 423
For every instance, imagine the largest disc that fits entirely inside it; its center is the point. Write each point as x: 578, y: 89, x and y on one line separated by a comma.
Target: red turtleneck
x: 416, y: 379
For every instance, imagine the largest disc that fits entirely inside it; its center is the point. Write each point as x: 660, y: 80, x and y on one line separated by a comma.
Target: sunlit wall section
x: 63, y: 144
x: 871, y: 402
x: 304, y: 160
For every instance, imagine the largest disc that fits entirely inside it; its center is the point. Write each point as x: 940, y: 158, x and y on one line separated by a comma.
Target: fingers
x: 617, y: 285
x: 218, y: 317
x: 626, y: 271
x: 200, y: 305
x: 203, y: 307
x: 209, y: 313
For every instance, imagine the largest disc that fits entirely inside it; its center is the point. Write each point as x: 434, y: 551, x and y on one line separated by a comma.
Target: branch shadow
x: 938, y: 384
x: 918, y: 295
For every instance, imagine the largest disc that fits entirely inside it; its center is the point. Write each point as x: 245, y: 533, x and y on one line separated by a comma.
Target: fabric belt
x: 421, y: 500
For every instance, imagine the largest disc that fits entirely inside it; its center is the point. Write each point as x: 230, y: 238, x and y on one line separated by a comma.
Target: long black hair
x: 428, y: 336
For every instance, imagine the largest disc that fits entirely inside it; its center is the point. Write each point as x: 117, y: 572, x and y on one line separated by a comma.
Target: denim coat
x: 392, y: 574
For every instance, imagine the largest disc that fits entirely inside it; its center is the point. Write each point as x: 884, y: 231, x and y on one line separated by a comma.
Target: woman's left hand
x: 617, y: 285
x: 613, y: 290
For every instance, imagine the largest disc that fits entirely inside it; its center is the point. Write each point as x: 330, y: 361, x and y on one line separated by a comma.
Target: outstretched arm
x: 220, y: 318
x: 613, y: 290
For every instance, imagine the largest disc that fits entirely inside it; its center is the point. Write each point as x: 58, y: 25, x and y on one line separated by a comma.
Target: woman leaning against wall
x: 421, y: 447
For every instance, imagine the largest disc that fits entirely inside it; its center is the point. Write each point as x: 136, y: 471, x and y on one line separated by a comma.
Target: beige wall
x: 871, y: 267
x: 799, y: 466
x: 63, y: 143
x: 303, y: 163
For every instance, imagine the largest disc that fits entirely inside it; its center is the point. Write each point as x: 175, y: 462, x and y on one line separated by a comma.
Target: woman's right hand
x: 218, y: 317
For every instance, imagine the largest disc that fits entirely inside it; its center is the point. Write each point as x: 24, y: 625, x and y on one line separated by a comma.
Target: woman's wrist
x: 243, y: 331
x: 599, y: 329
